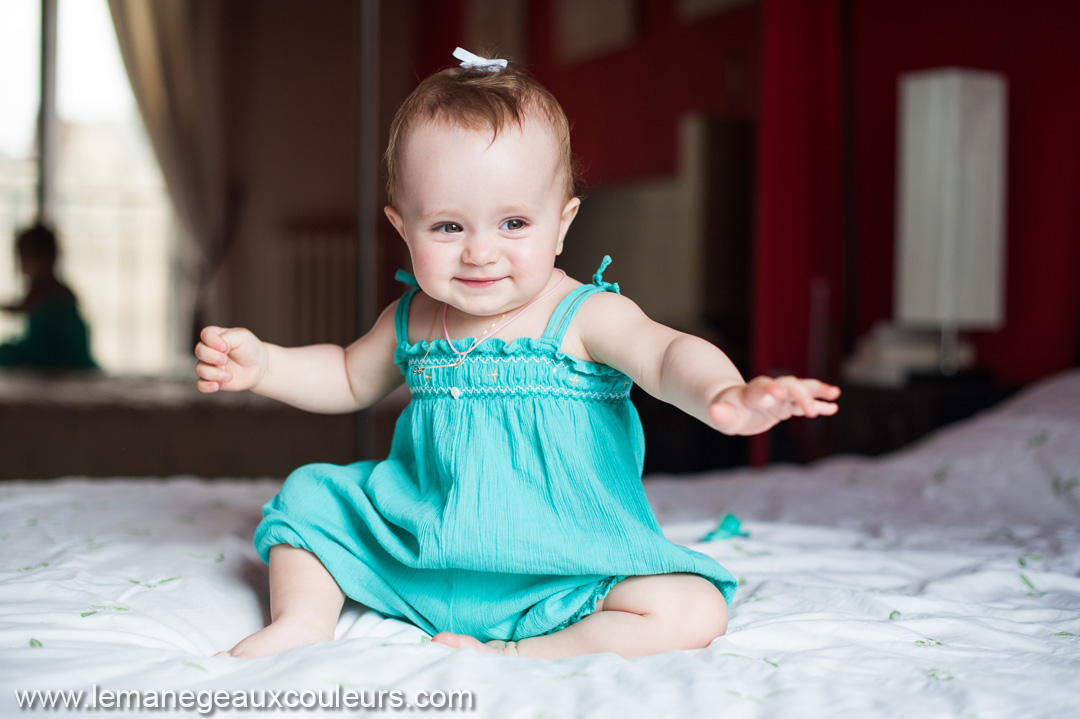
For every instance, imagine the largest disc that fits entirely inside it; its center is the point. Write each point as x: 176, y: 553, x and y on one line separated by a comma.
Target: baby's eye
x: 449, y: 227
x: 513, y: 225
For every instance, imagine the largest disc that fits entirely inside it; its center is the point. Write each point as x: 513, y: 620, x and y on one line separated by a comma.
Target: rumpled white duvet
x: 941, y: 581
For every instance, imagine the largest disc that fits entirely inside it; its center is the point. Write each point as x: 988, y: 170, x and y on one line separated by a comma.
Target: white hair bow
x: 469, y: 60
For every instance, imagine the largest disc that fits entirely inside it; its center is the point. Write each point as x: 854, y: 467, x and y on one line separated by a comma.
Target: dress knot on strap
x: 598, y: 278
x: 405, y: 277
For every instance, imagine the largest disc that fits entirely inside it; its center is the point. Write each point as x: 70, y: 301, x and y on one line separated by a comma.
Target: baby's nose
x: 480, y: 249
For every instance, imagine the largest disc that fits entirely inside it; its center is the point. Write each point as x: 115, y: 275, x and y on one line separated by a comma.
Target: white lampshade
x: 951, y: 200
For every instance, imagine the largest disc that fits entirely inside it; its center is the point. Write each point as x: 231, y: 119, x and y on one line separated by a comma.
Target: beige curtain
x: 173, y: 52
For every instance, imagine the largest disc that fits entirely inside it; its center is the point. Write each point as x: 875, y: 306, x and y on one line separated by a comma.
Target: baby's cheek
x: 426, y: 271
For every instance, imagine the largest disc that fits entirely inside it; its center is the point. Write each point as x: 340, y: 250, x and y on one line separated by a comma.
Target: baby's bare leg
x: 305, y: 603
x: 640, y: 615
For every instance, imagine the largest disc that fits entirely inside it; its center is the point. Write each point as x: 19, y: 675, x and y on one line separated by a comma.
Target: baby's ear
x: 569, y: 212
x: 395, y: 219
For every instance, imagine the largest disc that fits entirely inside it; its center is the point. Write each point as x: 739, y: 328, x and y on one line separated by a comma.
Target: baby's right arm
x: 318, y: 378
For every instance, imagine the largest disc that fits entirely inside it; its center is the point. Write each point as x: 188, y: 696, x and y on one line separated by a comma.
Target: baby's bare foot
x: 464, y: 641
x: 279, y: 636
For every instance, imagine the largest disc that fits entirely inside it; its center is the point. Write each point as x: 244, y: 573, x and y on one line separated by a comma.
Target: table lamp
x: 951, y: 205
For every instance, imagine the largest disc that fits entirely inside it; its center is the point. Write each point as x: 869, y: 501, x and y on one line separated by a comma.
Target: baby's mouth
x: 479, y: 282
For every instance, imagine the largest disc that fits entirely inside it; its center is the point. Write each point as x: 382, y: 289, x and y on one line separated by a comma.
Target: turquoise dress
x: 511, y: 501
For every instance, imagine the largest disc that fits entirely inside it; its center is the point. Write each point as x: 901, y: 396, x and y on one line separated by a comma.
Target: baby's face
x: 483, y: 220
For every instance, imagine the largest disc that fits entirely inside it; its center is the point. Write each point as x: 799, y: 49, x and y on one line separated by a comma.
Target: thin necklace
x: 418, y: 369
x: 488, y: 333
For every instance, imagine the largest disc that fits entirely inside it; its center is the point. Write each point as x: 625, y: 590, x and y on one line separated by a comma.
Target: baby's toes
x: 458, y: 641
x: 464, y: 641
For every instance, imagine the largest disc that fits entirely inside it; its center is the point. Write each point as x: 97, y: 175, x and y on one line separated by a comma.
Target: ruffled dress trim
x: 599, y: 592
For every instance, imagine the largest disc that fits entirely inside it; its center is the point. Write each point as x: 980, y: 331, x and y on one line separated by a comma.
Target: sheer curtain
x: 173, y: 53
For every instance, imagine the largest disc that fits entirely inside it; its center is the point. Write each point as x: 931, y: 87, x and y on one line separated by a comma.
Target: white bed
x: 941, y: 581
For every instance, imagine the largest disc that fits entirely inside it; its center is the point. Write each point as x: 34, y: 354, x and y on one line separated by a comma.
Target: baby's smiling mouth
x: 478, y: 282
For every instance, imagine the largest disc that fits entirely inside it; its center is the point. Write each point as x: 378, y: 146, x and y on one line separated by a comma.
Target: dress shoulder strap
x: 401, y: 316
x: 564, y: 313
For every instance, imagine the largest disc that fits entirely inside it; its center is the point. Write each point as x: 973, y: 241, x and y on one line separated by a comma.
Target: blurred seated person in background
x: 55, y: 337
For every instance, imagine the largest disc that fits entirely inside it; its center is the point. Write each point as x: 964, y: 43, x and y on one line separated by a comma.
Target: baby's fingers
x: 800, y: 396
x: 821, y: 390
x: 212, y: 349
x: 805, y: 396
x: 207, y: 387
x: 211, y: 377
x: 210, y: 356
x: 213, y: 337
x: 825, y: 408
x: 815, y: 397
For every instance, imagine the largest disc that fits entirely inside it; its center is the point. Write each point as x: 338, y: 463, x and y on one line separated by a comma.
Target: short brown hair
x: 475, y: 99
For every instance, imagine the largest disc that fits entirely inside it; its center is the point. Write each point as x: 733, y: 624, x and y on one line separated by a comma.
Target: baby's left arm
x: 693, y: 374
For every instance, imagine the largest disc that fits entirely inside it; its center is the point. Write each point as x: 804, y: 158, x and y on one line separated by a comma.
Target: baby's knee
x: 702, y: 613
x: 314, y: 488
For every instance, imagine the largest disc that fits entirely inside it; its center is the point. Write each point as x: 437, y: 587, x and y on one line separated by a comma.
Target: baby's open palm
x: 764, y: 402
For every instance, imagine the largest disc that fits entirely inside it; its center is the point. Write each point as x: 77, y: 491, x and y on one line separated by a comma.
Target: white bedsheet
x: 943, y: 581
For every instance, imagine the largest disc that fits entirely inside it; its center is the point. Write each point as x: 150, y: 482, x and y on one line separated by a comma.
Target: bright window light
x: 20, y: 87
x: 112, y: 212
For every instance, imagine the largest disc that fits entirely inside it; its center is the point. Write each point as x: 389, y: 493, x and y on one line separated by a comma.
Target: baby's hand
x: 229, y: 359
x: 763, y: 402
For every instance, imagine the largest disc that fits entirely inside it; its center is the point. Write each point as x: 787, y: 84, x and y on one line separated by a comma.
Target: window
x: 112, y: 212
x: 20, y: 85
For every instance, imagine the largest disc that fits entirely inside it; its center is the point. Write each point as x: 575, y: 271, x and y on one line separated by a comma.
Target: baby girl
x: 510, y: 515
